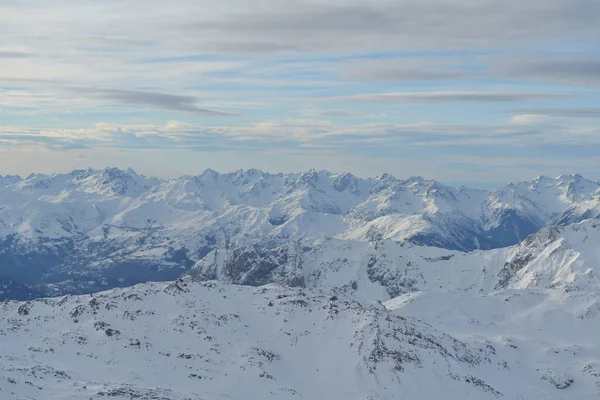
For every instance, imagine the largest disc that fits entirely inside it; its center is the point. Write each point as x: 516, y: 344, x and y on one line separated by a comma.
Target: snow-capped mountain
x: 91, y: 230
x: 187, y: 340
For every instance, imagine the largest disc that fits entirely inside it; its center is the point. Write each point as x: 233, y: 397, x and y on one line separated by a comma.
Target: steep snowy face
x: 518, y: 210
x: 9, y: 180
x: 186, y: 340
x: 114, y: 182
x: 115, y: 227
x: 556, y: 257
x: 566, y: 257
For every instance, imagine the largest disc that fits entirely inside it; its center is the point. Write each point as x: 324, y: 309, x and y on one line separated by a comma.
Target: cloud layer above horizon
x: 466, y: 91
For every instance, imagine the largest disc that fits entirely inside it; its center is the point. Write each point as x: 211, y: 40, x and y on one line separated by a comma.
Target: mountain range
x: 91, y: 230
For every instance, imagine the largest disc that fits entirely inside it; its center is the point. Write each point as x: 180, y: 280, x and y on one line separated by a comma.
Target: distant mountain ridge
x: 90, y: 230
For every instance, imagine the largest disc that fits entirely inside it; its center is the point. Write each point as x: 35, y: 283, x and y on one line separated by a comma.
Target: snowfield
x: 186, y: 340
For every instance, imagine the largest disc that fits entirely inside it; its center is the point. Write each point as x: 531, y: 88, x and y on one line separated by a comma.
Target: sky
x: 476, y: 92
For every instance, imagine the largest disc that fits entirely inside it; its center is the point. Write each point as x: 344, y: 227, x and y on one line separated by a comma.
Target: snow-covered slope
x: 551, y: 333
x: 556, y: 257
x: 90, y: 230
x: 188, y: 340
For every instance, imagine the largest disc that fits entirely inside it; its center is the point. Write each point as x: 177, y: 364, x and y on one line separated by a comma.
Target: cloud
x: 449, y: 97
x: 161, y: 101
x: 415, y: 69
x: 340, y: 26
x: 407, y: 24
x: 14, y: 54
x: 402, y: 75
x: 521, y: 130
x: 580, y: 68
x: 531, y: 119
x: 338, y: 114
x: 577, y: 72
x: 572, y: 112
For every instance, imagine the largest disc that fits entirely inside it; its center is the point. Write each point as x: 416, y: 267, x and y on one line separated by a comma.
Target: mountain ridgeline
x: 90, y: 230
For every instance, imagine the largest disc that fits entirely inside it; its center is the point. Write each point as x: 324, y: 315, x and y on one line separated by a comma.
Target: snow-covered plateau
x: 289, y: 286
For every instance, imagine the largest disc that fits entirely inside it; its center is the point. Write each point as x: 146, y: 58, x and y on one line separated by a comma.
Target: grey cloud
x: 155, y: 100
x: 448, y: 97
x: 14, y: 54
x: 584, y: 72
x: 241, y: 46
x: 117, y: 41
x: 580, y: 72
x: 405, y: 69
x: 349, y: 25
x: 408, y: 24
x: 336, y: 113
x: 390, y: 74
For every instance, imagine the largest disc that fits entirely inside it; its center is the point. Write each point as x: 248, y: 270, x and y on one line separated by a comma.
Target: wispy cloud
x: 14, y: 54
x: 576, y: 72
x: 520, y: 130
x: 405, y: 24
x: 337, y: 113
x: 572, y: 112
x: 156, y: 100
x: 403, y: 75
x: 449, y: 97
x: 407, y: 69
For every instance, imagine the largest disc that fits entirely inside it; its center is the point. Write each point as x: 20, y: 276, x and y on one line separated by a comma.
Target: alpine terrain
x: 314, y: 285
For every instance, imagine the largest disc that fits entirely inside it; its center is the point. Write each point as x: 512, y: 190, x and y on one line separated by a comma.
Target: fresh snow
x: 188, y: 340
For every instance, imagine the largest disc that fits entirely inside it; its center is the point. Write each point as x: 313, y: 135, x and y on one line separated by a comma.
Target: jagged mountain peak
x: 346, y: 182
x: 209, y: 174
x: 116, y: 182
x: 570, y: 177
x: 417, y: 179
x: 9, y: 180
x: 35, y: 181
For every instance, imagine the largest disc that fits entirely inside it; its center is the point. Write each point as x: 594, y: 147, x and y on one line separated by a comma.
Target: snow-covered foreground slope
x: 90, y: 230
x: 551, y: 333
x: 186, y: 340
